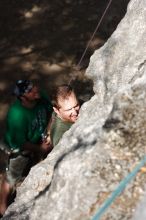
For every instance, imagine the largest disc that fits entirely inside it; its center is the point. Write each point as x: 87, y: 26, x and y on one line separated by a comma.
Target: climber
x: 66, y: 111
x: 24, y: 140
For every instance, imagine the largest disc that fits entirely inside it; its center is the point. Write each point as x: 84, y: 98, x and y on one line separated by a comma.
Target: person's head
x: 25, y: 90
x: 65, y: 103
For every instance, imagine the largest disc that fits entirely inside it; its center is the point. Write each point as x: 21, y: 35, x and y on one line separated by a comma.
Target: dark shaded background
x: 44, y: 40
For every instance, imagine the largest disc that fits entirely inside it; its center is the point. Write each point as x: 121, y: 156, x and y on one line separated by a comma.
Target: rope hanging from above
x: 77, y: 67
x: 97, y: 27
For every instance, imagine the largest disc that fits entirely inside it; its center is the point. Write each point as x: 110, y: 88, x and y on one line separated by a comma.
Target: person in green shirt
x: 27, y: 118
x: 27, y: 121
x: 66, y: 108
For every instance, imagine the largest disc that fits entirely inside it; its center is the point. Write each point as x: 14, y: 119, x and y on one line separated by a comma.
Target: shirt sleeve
x: 16, y: 134
x: 57, y: 135
x: 58, y: 128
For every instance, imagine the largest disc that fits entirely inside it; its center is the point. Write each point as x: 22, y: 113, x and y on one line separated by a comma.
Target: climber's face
x: 68, y: 109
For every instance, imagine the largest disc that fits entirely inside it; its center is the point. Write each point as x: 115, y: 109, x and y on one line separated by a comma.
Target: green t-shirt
x: 58, y: 128
x: 27, y: 125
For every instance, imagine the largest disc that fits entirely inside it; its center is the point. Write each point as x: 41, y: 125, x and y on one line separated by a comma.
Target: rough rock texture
x: 140, y: 213
x: 105, y: 144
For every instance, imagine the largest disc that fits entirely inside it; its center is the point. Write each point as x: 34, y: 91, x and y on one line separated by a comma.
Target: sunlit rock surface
x: 104, y: 145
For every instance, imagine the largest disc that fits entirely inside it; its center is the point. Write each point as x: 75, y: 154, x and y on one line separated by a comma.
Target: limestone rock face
x: 104, y: 145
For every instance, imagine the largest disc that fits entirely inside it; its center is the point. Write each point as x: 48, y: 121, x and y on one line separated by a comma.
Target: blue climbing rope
x: 119, y: 189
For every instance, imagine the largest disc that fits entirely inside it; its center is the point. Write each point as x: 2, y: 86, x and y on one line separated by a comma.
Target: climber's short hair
x: 62, y: 91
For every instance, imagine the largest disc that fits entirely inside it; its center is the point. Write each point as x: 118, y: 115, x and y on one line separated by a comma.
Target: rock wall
x: 104, y: 145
